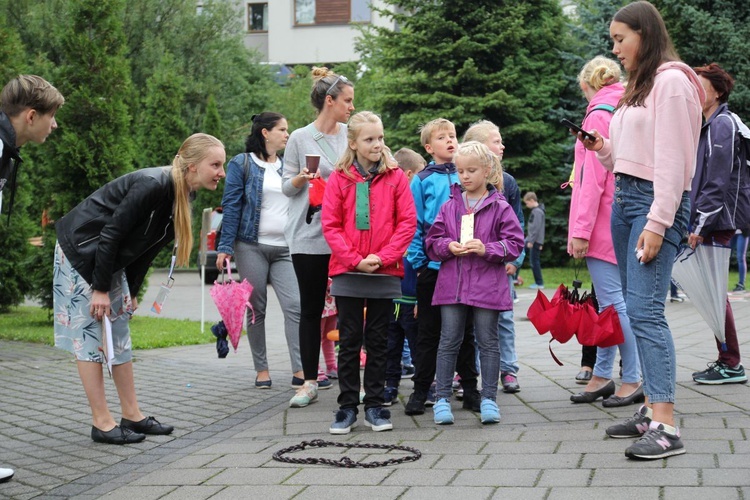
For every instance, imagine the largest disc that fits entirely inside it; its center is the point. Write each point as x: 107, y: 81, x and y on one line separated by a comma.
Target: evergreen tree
x: 162, y: 128
x: 717, y: 31
x: 94, y: 143
x: 467, y: 60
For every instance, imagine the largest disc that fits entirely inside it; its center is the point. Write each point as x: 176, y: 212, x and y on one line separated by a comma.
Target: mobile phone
x: 578, y: 129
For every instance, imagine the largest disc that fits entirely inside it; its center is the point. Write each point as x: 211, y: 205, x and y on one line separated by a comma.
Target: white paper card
x: 107, y: 344
x: 467, y: 228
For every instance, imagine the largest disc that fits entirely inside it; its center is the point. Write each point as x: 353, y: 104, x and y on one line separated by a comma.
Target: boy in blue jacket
x: 431, y: 188
x: 403, y: 323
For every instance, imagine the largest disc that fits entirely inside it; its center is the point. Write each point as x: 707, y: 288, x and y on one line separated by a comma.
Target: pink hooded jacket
x: 659, y: 140
x: 593, y: 185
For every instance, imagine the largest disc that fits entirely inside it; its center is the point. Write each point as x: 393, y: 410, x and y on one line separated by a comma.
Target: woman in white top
x: 255, y: 212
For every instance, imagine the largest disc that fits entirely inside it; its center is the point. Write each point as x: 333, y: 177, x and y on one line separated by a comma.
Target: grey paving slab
x: 227, y: 431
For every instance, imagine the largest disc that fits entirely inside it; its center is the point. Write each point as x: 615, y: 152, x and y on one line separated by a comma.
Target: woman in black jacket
x: 105, y: 247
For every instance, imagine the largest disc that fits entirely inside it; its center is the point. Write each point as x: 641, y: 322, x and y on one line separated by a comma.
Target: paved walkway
x: 227, y: 431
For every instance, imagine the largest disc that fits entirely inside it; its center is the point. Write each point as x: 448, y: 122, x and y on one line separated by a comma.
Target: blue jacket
x: 719, y: 193
x: 513, y: 197
x: 473, y: 280
x: 241, y: 203
x: 431, y: 188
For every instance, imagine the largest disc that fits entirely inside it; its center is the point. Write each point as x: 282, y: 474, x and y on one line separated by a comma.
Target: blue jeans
x: 606, y: 279
x: 742, y: 243
x: 536, y: 263
x: 506, y: 331
x: 645, y: 287
x: 454, y: 318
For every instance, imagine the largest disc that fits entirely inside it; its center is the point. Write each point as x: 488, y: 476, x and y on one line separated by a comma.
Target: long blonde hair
x: 354, y: 127
x: 193, y: 151
x: 485, y: 158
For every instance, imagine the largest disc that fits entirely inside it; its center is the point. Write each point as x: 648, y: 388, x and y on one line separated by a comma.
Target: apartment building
x: 306, y: 31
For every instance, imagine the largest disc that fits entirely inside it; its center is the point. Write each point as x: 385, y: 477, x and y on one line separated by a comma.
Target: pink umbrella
x: 231, y: 298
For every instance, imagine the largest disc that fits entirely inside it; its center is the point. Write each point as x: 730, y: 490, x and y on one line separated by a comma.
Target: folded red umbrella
x: 608, y: 330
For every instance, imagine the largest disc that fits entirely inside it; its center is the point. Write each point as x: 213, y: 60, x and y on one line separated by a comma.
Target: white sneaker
x: 305, y: 395
x: 6, y: 474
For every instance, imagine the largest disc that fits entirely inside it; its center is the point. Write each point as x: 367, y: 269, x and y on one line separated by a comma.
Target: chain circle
x: 346, y: 461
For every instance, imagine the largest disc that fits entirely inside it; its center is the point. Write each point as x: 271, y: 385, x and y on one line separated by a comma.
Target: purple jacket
x: 473, y: 280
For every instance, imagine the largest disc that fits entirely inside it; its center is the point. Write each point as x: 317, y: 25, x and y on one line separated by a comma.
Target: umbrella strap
x: 559, y: 363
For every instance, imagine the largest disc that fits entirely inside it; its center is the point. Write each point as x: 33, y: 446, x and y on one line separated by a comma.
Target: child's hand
x: 368, y: 265
x: 475, y: 246
x: 457, y: 248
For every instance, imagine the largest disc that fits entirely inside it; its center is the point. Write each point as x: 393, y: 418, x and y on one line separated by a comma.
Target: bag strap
x: 323, y: 144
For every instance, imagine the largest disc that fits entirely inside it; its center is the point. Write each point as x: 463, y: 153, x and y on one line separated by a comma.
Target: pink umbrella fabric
x: 231, y: 298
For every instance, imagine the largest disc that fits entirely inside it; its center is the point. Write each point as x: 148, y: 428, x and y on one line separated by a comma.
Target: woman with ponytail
x: 105, y: 246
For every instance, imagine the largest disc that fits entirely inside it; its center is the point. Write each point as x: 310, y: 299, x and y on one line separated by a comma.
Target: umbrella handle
x: 228, y: 269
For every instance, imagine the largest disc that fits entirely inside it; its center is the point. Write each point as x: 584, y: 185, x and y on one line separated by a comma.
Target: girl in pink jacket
x: 368, y: 220
x: 590, y: 237
x: 652, y: 149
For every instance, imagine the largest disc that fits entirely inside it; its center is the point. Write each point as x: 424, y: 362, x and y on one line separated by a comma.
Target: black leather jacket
x: 9, y: 161
x: 122, y: 225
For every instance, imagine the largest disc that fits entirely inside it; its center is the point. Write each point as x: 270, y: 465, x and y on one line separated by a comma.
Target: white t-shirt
x: 273, y: 209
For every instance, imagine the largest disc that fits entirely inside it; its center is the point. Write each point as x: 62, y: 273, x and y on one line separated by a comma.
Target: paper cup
x: 312, y: 162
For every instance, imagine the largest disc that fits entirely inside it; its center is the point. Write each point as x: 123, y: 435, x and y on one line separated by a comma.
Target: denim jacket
x: 241, y: 203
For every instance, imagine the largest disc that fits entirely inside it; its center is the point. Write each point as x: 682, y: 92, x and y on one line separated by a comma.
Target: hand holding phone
x: 577, y: 129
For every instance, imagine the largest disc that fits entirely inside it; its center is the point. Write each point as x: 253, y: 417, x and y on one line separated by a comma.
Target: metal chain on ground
x: 346, y: 461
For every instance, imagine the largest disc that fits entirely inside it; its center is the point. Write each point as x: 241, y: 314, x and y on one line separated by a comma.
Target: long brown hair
x: 654, y: 50
x: 193, y: 150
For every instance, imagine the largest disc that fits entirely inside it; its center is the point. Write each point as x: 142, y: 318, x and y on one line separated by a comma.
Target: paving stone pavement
x: 227, y: 431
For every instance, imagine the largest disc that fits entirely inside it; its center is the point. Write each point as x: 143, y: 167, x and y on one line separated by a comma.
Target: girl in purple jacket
x: 475, y: 233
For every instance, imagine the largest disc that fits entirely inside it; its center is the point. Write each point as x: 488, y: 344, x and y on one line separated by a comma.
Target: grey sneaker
x: 721, y: 373
x: 344, y: 422
x: 509, y: 382
x: 656, y: 443
x: 378, y: 418
x: 635, y: 426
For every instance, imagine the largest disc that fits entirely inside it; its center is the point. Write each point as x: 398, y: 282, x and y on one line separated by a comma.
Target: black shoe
x: 118, y: 435
x: 590, y: 397
x: 148, y: 425
x: 583, y: 377
x: 636, y: 397
x: 415, y: 405
x: 472, y: 400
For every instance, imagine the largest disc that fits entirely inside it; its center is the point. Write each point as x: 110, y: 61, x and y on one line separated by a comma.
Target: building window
x: 307, y: 12
x: 304, y: 12
x: 361, y: 12
x: 257, y: 17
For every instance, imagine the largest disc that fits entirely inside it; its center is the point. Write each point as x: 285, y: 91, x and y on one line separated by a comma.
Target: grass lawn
x: 33, y: 324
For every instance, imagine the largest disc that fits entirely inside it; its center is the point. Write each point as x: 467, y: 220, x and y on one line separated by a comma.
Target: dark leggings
x: 312, y: 278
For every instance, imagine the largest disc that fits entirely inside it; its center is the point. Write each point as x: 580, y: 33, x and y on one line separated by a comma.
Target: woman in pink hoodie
x: 651, y: 150
x: 590, y: 236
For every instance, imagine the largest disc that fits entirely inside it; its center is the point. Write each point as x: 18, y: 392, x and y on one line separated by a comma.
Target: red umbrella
x: 231, y: 298
x: 570, y: 313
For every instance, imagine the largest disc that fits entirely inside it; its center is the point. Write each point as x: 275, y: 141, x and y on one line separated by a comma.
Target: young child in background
x: 475, y: 233
x: 535, y: 238
x: 328, y: 323
x: 367, y: 246
x: 403, y: 318
x: 488, y: 134
x: 431, y: 188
